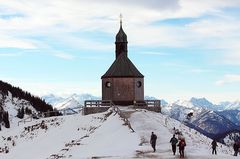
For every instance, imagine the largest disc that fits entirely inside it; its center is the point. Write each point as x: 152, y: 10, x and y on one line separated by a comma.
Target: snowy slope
x: 197, y: 144
x: 12, y: 104
x: 102, y: 135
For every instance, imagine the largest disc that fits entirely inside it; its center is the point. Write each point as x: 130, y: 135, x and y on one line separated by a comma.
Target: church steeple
x: 121, y: 41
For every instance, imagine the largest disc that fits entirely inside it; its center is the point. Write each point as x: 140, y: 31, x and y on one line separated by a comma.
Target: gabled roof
x: 122, y: 67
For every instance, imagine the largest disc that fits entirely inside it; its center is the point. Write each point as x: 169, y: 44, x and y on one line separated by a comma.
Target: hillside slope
x: 102, y: 135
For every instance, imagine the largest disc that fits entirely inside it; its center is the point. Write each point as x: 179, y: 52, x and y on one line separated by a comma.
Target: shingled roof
x: 122, y: 67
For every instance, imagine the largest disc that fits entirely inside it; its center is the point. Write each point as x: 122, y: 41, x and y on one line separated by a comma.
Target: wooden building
x: 123, y: 84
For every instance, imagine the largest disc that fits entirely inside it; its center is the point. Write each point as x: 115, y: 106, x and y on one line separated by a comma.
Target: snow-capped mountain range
x: 71, y: 101
x: 214, y: 121
x: 78, y: 99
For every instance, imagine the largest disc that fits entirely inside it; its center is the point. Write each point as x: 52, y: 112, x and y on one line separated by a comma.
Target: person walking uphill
x: 174, y: 142
x: 181, y: 145
x: 235, y: 148
x: 214, y: 146
x: 153, y: 141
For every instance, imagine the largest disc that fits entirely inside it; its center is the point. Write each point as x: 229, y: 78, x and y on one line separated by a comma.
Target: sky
x: 184, y: 48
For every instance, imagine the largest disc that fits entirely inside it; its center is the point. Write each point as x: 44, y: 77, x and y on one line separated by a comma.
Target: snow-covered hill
x: 17, y: 104
x: 12, y: 104
x: 103, y: 135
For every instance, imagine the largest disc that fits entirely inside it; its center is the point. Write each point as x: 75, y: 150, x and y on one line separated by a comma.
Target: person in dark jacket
x: 153, y: 141
x: 181, y: 145
x: 174, y: 142
x: 235, y: 148
x: 214, y: 147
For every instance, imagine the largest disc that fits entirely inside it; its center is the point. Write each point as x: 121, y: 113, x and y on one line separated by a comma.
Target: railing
x: 26, y: 120
x: 148, y: 103
x: 98, y: 103
x: 96, y: 106
x: 151, y: 105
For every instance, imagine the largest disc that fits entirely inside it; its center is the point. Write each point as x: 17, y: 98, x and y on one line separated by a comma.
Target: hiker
x: 174, y: 130
x: 174, y: 142
x: 214, y: 146
x: 235, y: 148
x: 153, y: 141
x: 181, y: 145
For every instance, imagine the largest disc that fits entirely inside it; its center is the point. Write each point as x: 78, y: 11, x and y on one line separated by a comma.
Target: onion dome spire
x: 121, y: 40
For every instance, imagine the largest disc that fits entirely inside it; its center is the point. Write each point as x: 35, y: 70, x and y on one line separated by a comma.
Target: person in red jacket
x: 181, y: 146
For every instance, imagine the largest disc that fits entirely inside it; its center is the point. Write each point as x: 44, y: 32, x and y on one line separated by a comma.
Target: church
x: 123, y: 84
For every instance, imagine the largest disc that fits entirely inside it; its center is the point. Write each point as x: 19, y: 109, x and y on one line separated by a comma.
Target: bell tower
x: 121, y: 41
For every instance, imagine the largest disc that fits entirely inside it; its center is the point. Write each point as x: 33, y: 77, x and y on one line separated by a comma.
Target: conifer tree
x: 6, y: 119
x: 20, y: 113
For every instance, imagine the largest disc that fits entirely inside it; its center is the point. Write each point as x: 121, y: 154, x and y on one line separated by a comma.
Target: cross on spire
x: 121, y: 19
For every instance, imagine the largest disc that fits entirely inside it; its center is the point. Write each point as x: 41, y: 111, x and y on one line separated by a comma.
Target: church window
x: 139, y: 84
x: 108, y: 84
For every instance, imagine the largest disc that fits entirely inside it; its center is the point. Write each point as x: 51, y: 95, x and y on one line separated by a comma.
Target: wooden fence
x: 151, y: 105
x: 98, y: 103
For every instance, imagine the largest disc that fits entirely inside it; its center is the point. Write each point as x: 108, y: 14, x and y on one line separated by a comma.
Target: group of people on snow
x: 174, y: 142
x: 181, y: 143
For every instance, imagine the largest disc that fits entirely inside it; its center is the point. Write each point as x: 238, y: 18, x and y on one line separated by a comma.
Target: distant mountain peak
x: 202, y: 102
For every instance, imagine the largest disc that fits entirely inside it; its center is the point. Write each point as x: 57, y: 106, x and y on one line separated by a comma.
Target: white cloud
x: 62, y: 19
x: 155, y: 53
x: 64, y: 56
x: 200, y: 70
x: 229, y: 79
x: 10, y: 54
x: 12, y: 42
